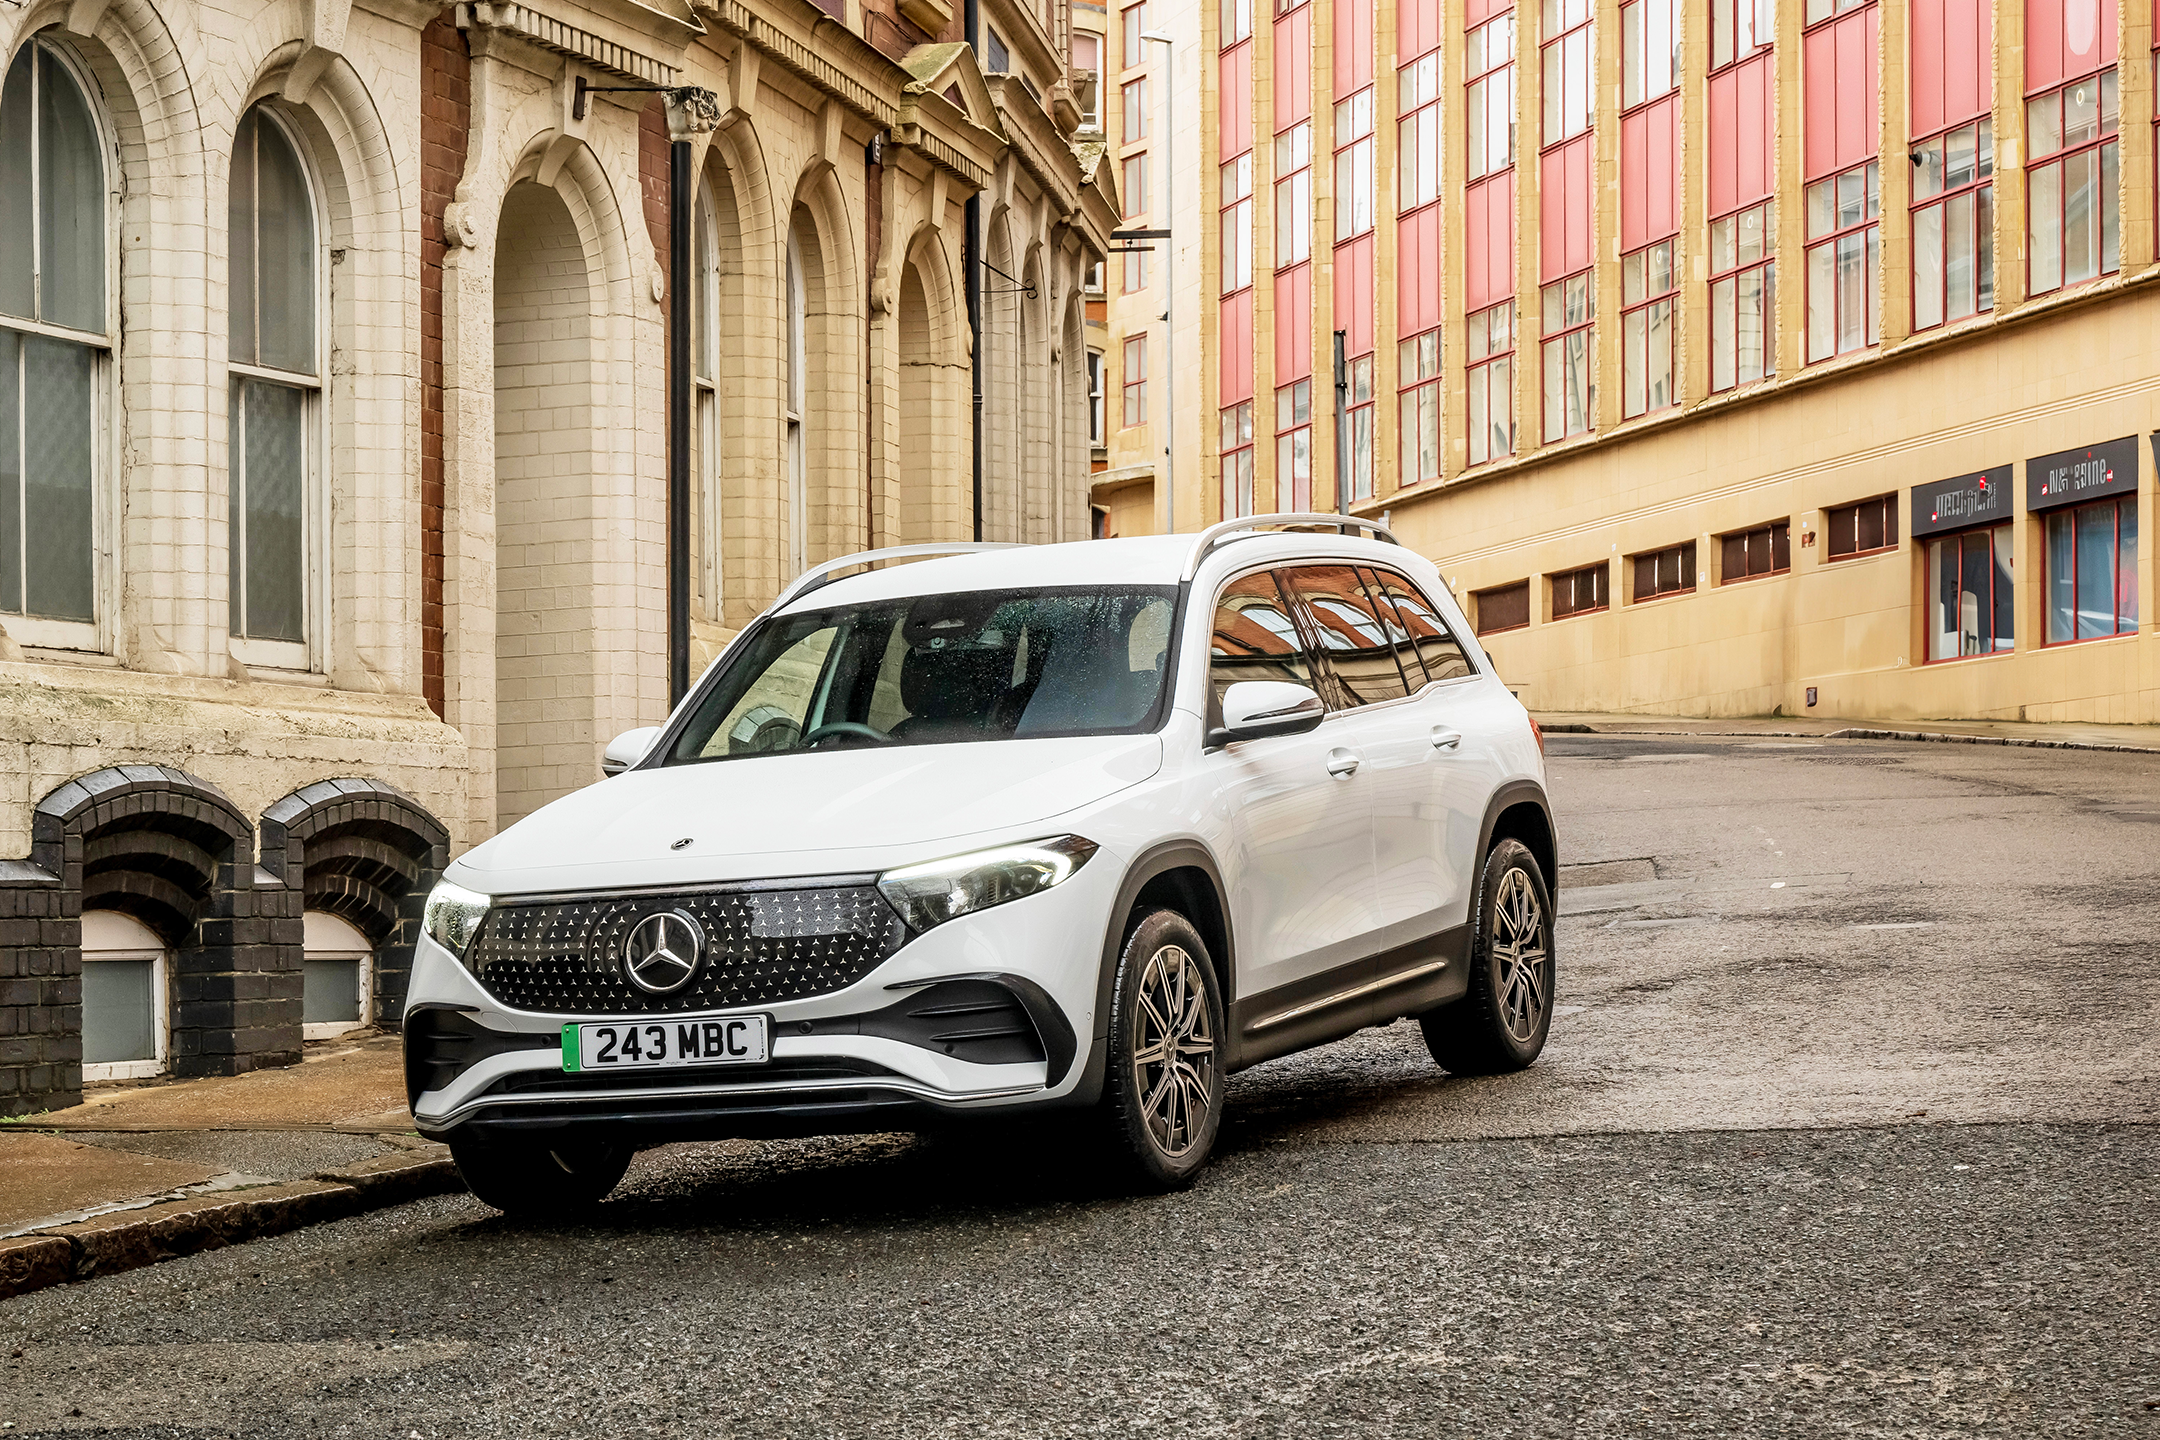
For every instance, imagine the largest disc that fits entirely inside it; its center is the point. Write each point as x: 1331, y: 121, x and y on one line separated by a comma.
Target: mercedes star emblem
x: 661, y: 953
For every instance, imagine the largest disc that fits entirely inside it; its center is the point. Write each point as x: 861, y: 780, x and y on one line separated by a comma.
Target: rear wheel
x: 1501, y: 1023
x: 539, y: 1179
x: 1164, y: 1087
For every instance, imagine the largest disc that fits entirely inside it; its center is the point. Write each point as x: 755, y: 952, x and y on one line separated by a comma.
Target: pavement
x: 2048, y: 735
x: 1849, y: 1125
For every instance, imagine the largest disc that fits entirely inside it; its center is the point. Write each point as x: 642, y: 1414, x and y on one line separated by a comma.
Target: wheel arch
x: 1519, y: 810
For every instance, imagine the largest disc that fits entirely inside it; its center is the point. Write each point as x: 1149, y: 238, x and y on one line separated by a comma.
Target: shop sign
x: 1981, y: 498
x: 2093, y: 473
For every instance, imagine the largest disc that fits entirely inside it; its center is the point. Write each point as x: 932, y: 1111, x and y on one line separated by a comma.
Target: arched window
x: 276, y: 393
x: 706, y: 378
x: 798, y: 478
x: 336, y: 963
x: 126, y: 1020
x: 55, y: 347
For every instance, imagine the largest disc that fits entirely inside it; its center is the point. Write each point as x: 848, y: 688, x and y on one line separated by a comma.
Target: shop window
x: 1293, y: 195
x: 1569, y: 350
x: 1237, y: 460
x: 1579, y: 592
x: 337, y: 965
x: 1971, y: 604
x: 1743, y: 296
x: 55, y: 349
x: 1135, y: 386
x: 1844, y: 256
x: 1953, y: 225
x: 1866, y: 528
x: 2071, y: 184
x: 1237, y: 257
x: 1359, y: 417
x: 1504, y: 607
x: 1648, y: 289
x: 1739, y: 28
x: 2092, y: 587
x: 126, y: 1009
x: 1489, y: 96
x: 1751, y: 554
x: 1492, y: 382
x: 1665, y: 572
x: 1293, y: 448
x: 1418, y: 368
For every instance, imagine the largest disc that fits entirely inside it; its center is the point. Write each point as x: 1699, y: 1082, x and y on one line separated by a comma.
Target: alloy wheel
x: 1518, y: 951
x: 1173, y: 1052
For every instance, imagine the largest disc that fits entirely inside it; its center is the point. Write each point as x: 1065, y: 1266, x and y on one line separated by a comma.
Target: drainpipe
x: 971, y: 260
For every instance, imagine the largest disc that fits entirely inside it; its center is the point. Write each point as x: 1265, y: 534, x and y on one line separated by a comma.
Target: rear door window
x: 1441, y: 652
x: 1406, y: 654
x: 1353, y: 639
x: 1254, y: 637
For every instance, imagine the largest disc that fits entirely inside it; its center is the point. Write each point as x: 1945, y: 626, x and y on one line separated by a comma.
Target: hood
x: 843, y: 812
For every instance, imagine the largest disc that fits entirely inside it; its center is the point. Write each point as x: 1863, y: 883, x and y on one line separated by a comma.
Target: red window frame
x: 1505, y: 595
x: 1491, y: 351
x: 1132, y: 23
x: 1133, y: 102
x: 1637, y: 49
x: 1293, y: 429
x: 1844, y: 219
x: 1132, y: 383
x: 2123, y: 569
x: 1236, y: 175
x: 1418, y: 382
x: 2105, y: 144
x: 1599, y: 579
x: 1359, y: 415
x: 1134, y: 167
x: 1566, y: 60
x: 1855, y: 514
x: 1649, y: 295
x: 1417, y: 132
x: 1237, y: 460
x: 1935, y: 161
x: 1567, y: 337
x: 1761, y: 552
x: 1293, y: 196
x: 1744, y: 28
x: 1991, y: 537
x: 1678, y: 559
x: 1488, y: 62
x: 1355, y: 154
x: 1740, y: 253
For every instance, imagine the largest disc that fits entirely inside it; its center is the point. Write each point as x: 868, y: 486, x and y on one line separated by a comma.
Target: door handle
x: 1444, y: 738
x: 1341, y: 762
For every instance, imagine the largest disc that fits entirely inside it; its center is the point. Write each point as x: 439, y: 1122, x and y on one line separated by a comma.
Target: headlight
x: 453, y: 916
x: 927, y: 895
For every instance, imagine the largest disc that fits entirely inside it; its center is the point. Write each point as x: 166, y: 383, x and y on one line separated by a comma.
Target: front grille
x: 761, y: 946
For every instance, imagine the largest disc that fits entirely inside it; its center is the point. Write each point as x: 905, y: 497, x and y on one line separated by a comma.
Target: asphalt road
x: 1847, y: 1128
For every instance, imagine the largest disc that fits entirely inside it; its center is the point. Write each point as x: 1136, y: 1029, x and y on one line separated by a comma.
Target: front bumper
x: 860, y: 1058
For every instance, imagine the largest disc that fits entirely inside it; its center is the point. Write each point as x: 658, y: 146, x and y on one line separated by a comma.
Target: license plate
x: 657, y: 1044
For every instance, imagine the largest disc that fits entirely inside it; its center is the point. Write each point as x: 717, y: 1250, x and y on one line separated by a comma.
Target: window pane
x: 1957, y: 242
x: 58, y: 446
x: 2110, y: 189
x: 1942, y: 601
x: 1851, y: 286
x: 1254, y: 637
x: 2081, y: 240
x: 285, y: 250
x: 2126, y: 573
x: 2062, y: 580
x: 240, y: 245
x: 1984, y: 233
x: 71, y: 181
x: 1975, y: 614
x: 1723, y: 298
x: 1661, y: 353
x: 119, y: 1011
x: 329, y: 992
x: 1352, y: 635
x: 17, y: 291
x: 2045, y: 207
x: 2005, y: 597
x: 10, y: 472
x: 1821, y: 303
x: 2096, y: 572
x: 1927, y: 256
x: 708, y: 291
x: 274, y: 440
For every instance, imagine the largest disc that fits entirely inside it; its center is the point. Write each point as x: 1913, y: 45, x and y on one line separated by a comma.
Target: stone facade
x: 481, y: 458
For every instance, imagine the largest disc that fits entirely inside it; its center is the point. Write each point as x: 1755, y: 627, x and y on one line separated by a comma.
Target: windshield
x: 940, y: 669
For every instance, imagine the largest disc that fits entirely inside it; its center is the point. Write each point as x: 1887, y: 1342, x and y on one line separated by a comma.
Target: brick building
x: 334, y: 471
x: 1728, y: 358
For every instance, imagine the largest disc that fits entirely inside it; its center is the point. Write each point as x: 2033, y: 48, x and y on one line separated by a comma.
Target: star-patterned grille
x: 761, y: 946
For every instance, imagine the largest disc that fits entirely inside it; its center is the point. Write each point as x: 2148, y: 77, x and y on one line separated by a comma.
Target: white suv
x: 1079, y: 827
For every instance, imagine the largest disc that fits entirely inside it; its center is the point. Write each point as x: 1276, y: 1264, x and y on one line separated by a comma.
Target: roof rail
x: 821, y: 574
x: 1228, y: 530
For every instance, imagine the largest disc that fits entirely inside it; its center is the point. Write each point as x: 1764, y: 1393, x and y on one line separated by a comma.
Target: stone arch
x: 935, y: 459
x: 1003, y: 466
x: 1038, y: 410
x: 832, y: 515
x: 366, y: 852
x: 172, y: 851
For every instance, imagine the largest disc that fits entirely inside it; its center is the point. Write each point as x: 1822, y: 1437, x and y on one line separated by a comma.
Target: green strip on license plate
x: 569, y: 1047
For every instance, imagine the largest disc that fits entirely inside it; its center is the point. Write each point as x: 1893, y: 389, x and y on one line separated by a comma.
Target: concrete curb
x: 1935, y: 737
x: 129, y: 1239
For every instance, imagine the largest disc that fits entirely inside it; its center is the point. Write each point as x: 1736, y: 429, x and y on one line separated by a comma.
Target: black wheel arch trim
x: 1508, y: 797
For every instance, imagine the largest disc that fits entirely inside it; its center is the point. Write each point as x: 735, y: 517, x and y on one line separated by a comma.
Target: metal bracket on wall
x: 1015, y: 288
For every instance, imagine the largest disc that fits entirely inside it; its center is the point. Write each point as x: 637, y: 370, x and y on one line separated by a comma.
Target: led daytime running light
x: 930, y: 894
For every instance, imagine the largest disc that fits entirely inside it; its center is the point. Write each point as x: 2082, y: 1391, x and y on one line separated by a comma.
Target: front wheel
x: 543, y: 1179
x: 1501, y: 1024
x: 1165, y: 1082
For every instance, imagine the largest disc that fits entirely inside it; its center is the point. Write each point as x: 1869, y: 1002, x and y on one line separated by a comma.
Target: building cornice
x: 589, y: 47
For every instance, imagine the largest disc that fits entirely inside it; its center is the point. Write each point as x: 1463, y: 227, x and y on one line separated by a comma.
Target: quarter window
x: 55, y: 348
x: 276, y: 392
x: 1355, y: 645
x: 1437, y: 648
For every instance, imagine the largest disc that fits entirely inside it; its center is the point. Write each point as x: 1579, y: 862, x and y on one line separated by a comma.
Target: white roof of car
x: 1140, y: 560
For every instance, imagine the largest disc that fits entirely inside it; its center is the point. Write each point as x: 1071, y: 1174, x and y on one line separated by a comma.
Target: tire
x: 1163, y: 1112
x: 540, y: 1179
x: 1500, y: 1025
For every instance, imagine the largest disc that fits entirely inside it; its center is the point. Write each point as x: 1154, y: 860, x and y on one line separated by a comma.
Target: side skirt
x: 1407, y: 980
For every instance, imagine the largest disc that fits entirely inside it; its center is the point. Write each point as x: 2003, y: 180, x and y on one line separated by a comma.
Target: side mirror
x: 626, y: 750
x: 1255, y: 708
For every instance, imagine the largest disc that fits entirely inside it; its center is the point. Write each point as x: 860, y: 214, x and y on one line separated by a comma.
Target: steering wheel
x: 846, y: 727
